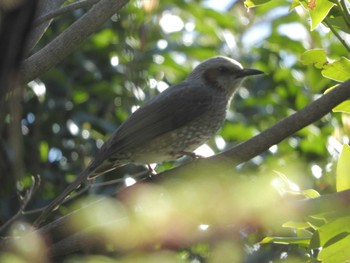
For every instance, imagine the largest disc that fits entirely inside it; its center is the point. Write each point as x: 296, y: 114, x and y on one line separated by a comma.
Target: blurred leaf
x: 237, y: 132
x: 314, y: 142
x: 7, y: 257
x: 296, y: 225
x: 294, y: 4
x: 339, y: 23
x: 80, y: 96
x: 253, y: 3
x: 301, y: 100
x: 315, y: 242
x: 27, y: 181
x: 44, y: 151
x: 343, y: 168
x: 295, y: 47
x: 316, y: 221
x: 310, y: 193
x: 103, y: 38
x: 338, y: 70
x: 335, y: 240
x: 286, y: 240
x: 317, y: 57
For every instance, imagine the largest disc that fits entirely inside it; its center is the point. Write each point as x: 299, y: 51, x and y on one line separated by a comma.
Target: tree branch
x: 70, y: 39
x: 63, y: 10
x: 45, y: 6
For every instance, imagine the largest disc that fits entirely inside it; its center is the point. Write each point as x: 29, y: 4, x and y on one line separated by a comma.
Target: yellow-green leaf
x: 334, y: 239
x: 338, y: 70
x: 317, y: 57
x: 296, y: 224
x: 318, y: 10
x: 294, y: 4
x: 343, y: 169
x: 343, y: 107
x: 337, y: 252
x: 286, y: 240
x: 310, y: 193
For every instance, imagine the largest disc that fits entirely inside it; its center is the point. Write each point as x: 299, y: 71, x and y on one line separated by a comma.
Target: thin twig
x: 33, y: 187
x: 86, y: 188
x: 64, y: 10
x: 121, y: 180
x: 336, y: 34
x: 345, y: 11
x: 70, y: 39
x: 68, y: 199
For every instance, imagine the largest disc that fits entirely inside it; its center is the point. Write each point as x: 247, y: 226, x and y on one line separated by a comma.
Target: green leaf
x: 343, y: 107
x: 315, y: 242
x: 313, y: 143
x: 318, y: 10
x: 343, y: 169
x: 310, y: 193
x: 294, y: 4
x: 44, y: 151
x: 103, y: 38
x: 286, y: 240
x: 253, y: 3
x: 338, y: 23
x: 317, y: 57
x: 237, y: 131
x: 338, y: 70
x: 296, y: 225
x: 335, y: 241
x: 332, y: 229
x: 316, y: 222
x: 80, y: 96
x: 338, y: 252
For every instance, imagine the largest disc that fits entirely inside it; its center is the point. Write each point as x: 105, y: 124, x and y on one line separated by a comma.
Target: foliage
x: 214, y: 215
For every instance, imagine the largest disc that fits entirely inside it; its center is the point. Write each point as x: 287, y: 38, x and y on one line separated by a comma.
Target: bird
x: 170, y: 125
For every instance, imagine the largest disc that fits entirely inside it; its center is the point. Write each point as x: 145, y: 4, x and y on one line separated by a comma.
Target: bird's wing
x: 168, y: 111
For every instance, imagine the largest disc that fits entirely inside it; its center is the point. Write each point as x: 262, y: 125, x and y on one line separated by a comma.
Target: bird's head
x: 221, y: 73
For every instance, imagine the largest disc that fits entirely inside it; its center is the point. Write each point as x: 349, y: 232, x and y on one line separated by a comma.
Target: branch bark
x: 69, y: 40
x: 44, y: 7
x: 47, y: 16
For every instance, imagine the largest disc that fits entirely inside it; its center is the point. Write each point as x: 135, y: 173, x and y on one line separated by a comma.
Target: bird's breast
x: 173, y: 144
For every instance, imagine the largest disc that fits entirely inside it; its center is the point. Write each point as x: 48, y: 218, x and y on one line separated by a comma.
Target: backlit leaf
x: 343, y: 169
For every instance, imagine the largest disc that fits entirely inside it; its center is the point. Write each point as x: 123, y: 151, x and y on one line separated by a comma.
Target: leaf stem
x: 336, y: 34
x: 345, y: 11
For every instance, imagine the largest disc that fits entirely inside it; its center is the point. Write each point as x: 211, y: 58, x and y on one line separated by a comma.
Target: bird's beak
x: 249, y: 72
